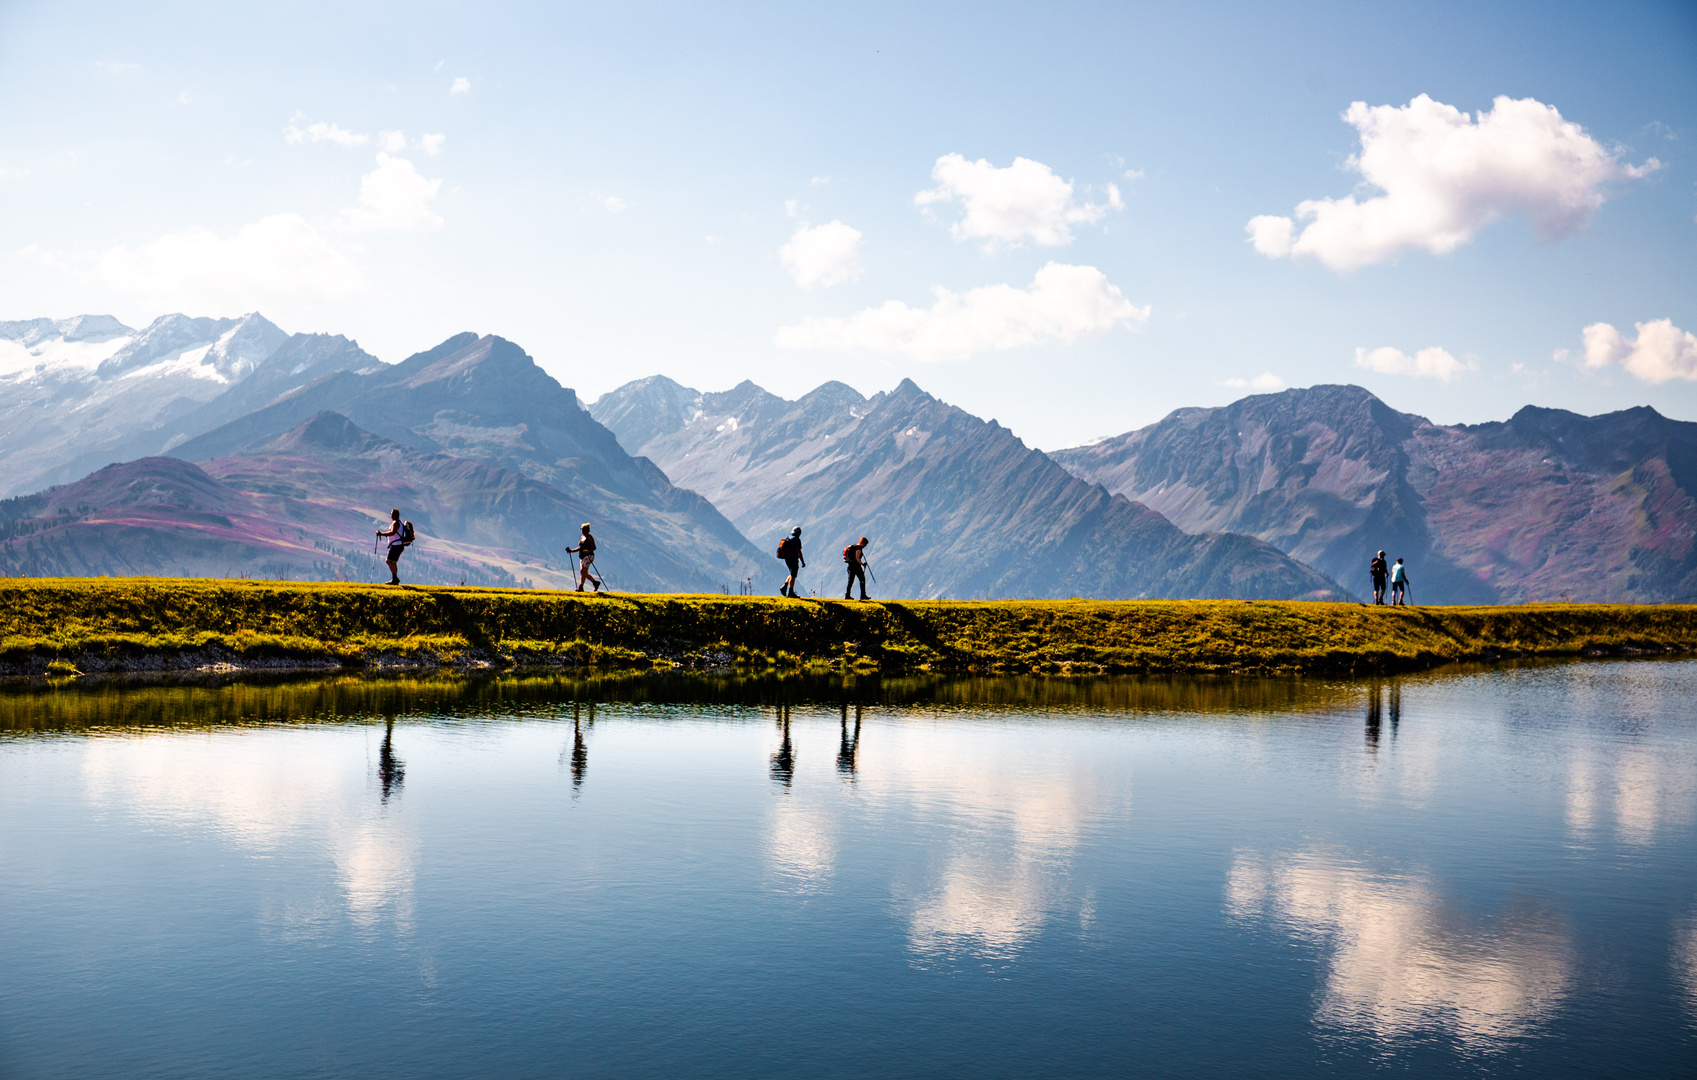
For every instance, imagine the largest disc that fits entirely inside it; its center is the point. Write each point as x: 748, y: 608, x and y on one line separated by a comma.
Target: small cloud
x: 440, y: 64
x: 185, y: 98
x: 432, y: 143
x: 710, y: 239
x: 610, y: 203
x: 294, y: 133
x: 12, y: 174
x: 462, y: 85
x: 1063, y: 304
x: 1661, y: 351
x: 1433, y: 363
x: 233, y: 163
x: 392, y: 142
x: 1264, y: 381
x: 1134, y: 174
x: 117, y: 67
x: 820, y: 181
x: 792, y: 208
x: 394, y: 198
x: 1024, y: 201
x: 822, y: 255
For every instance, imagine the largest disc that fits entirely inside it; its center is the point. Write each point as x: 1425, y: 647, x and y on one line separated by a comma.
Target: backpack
x: 786, y: 548
x: 406, y: 534
x: 846, y: 553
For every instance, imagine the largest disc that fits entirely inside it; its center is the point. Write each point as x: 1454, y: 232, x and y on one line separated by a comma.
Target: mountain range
x: 956, y: 506
x: 1544, y: 505
x: 212, y: 446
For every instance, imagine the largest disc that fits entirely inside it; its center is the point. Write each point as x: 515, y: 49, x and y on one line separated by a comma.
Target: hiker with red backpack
x: 400, y: 536
x: 789, y: 550
x: 855, y: 556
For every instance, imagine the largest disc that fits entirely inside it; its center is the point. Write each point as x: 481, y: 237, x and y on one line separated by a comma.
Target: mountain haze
x: 956, y: 506
x: 1545, y: 504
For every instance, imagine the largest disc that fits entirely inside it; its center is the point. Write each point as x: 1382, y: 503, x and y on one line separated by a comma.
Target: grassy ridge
x: 131, y: 623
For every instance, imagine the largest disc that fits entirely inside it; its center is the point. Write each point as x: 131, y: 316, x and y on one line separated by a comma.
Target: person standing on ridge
x: 585, y: 552
x: 400, y: 538
x: 790, y: 552
x: 1399, y: 585
x: 1379, y: 571
x: 855, y: 556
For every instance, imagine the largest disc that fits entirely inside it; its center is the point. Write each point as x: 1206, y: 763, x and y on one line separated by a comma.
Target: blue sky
x: 720, y: 193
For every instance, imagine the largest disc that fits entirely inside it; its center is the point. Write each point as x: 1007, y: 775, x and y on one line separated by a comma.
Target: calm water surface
x: 1481, y: 873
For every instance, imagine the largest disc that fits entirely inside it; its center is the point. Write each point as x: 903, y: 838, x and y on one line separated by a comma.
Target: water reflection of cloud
x: 1646, y: 789
x: 801, y: 843
x: 263, y: 792
x: 1015, y: 822
x: 1404, y: 959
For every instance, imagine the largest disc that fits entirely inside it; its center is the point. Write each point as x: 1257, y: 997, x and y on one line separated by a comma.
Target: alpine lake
x: 1470, y: 872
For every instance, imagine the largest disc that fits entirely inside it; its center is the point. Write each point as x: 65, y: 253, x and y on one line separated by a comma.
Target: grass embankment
x: 102, y: 624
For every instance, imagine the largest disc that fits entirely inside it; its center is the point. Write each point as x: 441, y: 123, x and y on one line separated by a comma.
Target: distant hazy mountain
x: 1550, y: 502
x: 305, y: 505
x: 80, y: 393
x: 956, y: 507
x: 484, y: 399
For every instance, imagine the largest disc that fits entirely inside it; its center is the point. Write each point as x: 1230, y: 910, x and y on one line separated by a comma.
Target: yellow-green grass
x: 98, y: 624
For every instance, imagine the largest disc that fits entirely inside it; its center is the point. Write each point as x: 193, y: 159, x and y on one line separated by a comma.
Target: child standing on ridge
x: 1399, y: 584
x: 585, y: 552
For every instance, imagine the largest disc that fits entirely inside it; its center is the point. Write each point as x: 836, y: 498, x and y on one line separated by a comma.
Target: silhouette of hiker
x: 790, y: 552
x: 1375, y: 716
x: 391, y: 772
x: 848, y: 752
x: 585, y: 552
x: 1379, y: 571
x: 1399, y: 584
x: 783, y: 762
x: 855, y: 556
x: 580, y: 753
x: 400, y: 537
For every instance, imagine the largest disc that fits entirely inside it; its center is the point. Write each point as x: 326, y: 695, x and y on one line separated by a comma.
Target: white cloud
x: 185, y: 98
x: 792, y: 207
x: 822, y: 254
x: 820, y: 181
x: 1025, y: 201
x: 611, y: 203
x: 432, y: 143
x: 462, y: 85
x: 1433, y: 363
x: 395, y: 197
x: 1064, y: 303
x: 1445, y: 176
x: 321, y: 132
x: 1264, y: 381
x: 281, y: 256
x: 392, y: 142
x: 1662, y: 351
x: 395, y: 142
x: 12, y: 174
x: 117, y: 67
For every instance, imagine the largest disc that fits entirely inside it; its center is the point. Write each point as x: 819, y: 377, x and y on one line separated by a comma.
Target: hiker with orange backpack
x: 789, y: 550
x: 855, y: 556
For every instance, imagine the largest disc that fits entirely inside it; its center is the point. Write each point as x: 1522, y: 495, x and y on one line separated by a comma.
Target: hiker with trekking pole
x: 400, y: 534
x: 585, y: 551
x: 855, y: 556
x: 789, y: 551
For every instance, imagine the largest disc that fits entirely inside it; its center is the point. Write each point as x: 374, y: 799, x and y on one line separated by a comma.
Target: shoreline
x: 73, y: 626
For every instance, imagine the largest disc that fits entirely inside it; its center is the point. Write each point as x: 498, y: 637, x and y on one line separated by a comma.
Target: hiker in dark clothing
x: 400, y: 536
x: 855, y: 556
x: 1399, y: 585
x: 1379, y: 571
x: 790, y: 552
x: 585, y: 552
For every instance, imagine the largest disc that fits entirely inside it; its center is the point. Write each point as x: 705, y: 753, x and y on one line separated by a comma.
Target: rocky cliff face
x: 1548, y: 503
x: 956, y: 506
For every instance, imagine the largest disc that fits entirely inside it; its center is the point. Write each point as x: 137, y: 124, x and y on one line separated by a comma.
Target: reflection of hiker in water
x: 400, y: 536
x: 585, y: 552
x: 1379, y: 571
x: 783, y: 762
x: 1399, y: 584
x: 849, y: 750
x: 1375, y: 715
x: 789, y: 550
x: 391, y: 772
x: 580, y: 749
x: 855, y: 556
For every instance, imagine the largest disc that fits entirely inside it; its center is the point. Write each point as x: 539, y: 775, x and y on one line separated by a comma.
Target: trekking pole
x: 573, y: 560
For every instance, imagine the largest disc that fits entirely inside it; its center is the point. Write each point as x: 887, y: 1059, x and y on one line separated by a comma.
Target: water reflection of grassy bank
x: 99, y: 624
